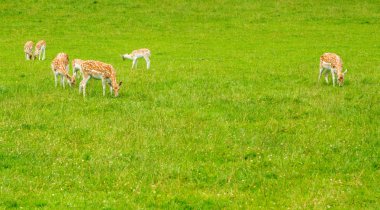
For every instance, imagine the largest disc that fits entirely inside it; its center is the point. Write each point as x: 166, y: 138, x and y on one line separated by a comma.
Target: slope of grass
x: 229, y: 116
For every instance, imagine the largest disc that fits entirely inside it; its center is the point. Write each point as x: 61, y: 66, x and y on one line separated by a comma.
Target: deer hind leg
x: 147, y: 62
x: 82, y: 85
x: 320, y: 73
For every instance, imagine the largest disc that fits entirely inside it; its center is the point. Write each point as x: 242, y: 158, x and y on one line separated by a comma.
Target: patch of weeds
x: 11, y: 204
x: 40, y: 204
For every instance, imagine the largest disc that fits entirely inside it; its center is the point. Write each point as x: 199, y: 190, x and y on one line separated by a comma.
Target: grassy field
x: 230, y: 115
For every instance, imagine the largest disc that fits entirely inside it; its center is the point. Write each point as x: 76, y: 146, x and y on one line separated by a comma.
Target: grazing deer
x: 76, y: 63
x: 59, y: 66
x: 28, y: 49
x: 141, y: 53
x: 99, y: 70
x: 332, y: 62
x: 65, y: 59
x: 40, y: 50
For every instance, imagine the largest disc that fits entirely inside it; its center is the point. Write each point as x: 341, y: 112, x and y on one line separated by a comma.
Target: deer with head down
x: 99, y: 70
x: 28, y: 50
x: 331, y: 62
x: 40, y: 50
x: 60, y: 67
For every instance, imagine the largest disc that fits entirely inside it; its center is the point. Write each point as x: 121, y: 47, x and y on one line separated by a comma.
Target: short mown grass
x: 230, y: 115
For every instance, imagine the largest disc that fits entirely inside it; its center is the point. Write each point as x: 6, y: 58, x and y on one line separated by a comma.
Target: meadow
x: 230, y: 115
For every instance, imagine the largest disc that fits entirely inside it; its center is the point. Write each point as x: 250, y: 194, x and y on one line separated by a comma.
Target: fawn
x: 332, y: 62
x: 141, y: 53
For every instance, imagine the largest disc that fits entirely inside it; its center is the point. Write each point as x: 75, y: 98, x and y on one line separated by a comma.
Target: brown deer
x: 59, y: 66
x: 332, y: 62
x: 99, y: 70
x: 40, y: 50
x: 28, y: 50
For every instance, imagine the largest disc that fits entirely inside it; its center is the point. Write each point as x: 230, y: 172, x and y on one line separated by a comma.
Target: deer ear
x: 120, y: 83
x: 345, y: 72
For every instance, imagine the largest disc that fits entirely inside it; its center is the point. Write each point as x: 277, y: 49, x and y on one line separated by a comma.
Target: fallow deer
x: 76, y: 64
x: 99, y: 70
x: 59, y: 66
x: 40, y: 50
x: 28, y: 50
x: 333, y: 63
x: 141, y: 53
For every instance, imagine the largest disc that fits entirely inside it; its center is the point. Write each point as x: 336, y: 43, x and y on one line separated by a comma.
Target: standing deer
x: 76, y: 64
x: 99, y: 70
x: 141, y: 53
x: 40, y: 50
x: 28, y: 50
x: 59, y: 66
x: 333, y: 63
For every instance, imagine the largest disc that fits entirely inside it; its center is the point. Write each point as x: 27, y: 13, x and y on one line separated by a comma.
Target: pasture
x: 230, y: 114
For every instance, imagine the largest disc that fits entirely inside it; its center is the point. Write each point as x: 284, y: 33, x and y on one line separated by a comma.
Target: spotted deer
x: 76, y: 64
x: 331, y: 62
x: 40, y: 50
x: 99, y: 70
x: 28, y: 50
x: 59, y: 66
x: 141, y: 53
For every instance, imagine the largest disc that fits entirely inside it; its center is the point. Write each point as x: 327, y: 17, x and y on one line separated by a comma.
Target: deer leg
x: 43, y: 57
x: 147, y: 62
x: 327, y: 77
x: 133, y: 63
x: 320, y: 74
x: 104, y: 86
x: 63, y: 81
x: 333, y: 76
x: 83, y: 84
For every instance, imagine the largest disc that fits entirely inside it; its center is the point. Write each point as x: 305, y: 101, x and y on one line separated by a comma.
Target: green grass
x: 229, y: 116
